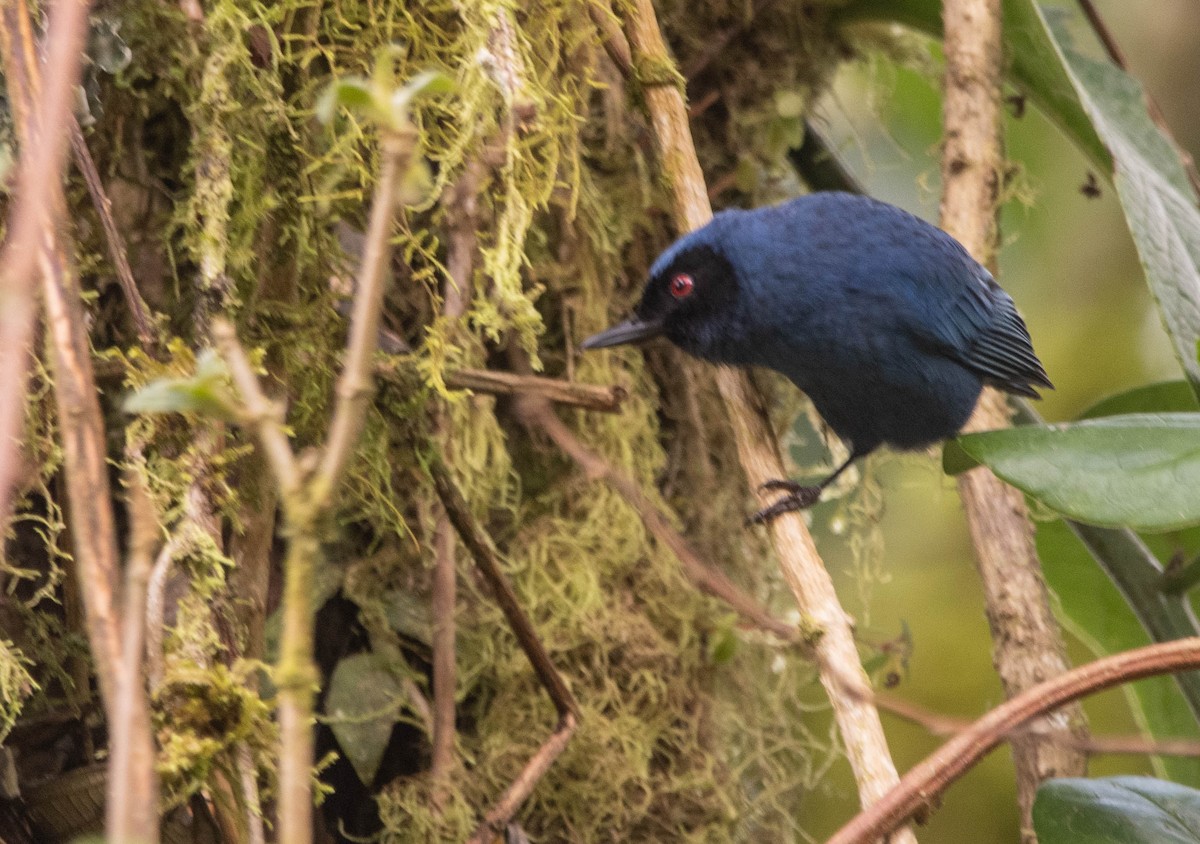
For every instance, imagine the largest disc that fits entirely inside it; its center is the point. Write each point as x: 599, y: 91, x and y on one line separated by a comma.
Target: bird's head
x: 690, y: 299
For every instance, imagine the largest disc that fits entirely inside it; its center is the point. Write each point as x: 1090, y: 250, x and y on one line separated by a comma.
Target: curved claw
x: 781, y: 485
x: 800, y: 498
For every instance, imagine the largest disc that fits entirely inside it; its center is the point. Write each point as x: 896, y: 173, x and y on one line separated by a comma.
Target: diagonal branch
x: 922, y: 785
x: 837, y: 658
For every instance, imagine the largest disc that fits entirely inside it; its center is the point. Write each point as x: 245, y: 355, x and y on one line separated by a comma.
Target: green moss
x: 237, y: 191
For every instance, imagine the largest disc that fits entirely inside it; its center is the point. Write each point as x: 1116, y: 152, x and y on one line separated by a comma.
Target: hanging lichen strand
x: 691, y: 729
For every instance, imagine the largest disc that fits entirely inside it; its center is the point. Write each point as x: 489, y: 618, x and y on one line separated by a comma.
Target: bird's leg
x: 799, y: 496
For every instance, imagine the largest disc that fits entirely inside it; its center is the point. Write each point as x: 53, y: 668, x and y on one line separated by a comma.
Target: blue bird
x: 885, y: 321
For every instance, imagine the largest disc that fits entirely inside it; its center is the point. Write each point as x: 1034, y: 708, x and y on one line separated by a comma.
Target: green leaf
x: 351, y: 92
x: 1116, y: 810
x: 1098, y: 613
x: 1151, y: 183
x: 425, y: 83
x: 204, y: 393
x: 955, y: 461
x: 1163, y: 397
x: 1031, y: 59
x: 1140, y: 471
x: 361, y: 708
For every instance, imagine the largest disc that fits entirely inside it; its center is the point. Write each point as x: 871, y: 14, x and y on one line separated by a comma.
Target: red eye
x: 682, y: 286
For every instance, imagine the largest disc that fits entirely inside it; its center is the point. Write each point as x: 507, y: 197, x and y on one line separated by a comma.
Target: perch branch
x: 921, y: 786
x: 1152, y: 108
x: 1027, y: 644
x: 537, y: 414
x: 840, y: 668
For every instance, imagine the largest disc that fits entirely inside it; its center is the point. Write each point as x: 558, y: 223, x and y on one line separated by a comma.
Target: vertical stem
x: 1027, y: 645
x: 296, y: 678
x: 837, y: 658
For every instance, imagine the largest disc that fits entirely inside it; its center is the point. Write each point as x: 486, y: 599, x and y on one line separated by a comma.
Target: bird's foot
x: 783, y: 485
x: 799, y: 497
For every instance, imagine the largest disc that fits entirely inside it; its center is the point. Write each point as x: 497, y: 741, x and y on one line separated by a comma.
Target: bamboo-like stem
x: 922, y: 785
x: 837, y: 658
x: 1027, y: 644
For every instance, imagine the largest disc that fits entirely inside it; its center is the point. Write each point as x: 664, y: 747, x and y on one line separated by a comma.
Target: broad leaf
x: 362, y: 707
x: 1116, y: 810
x: 1140, y: 471
x: 1151, y: 183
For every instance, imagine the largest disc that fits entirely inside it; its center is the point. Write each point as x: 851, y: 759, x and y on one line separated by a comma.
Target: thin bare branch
x: 479, y: 545
x: 921, y: 787
x: 261, y: 413
x: 1027, y: 644
x: 41, y: 117
x: 510, y: 801
x: 838, y: 663
x: 586, y: 396
x: 939, y: 724
x: 537, y: 414
x: 132, y: 804
x: 117, y: 252
x: 354, y: 386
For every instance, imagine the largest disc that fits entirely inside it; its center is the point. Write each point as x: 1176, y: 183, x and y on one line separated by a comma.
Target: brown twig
x: 1027, y: 644
x: 518, y: 792
x: 306, y: 498
x: 479, y: 546
x: 116, y: 243
x: 131, y: 768
x: 41, y: 116
x: 922, y: 785
x: 939, y: 724
x: 1152, y: 108
x: 837, y: 658
x: 585, y: 396
x: 355, y: 385
x: 538, y: 415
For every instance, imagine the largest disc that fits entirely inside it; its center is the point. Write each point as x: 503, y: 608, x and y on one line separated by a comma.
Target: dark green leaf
x: 1140, y: 471
x: 1116, y: 810
x: 1099, y: 615
x: 955, y: 461
x: 1151, y: 183
x: 361, y: 708
x: 1163, y: 397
